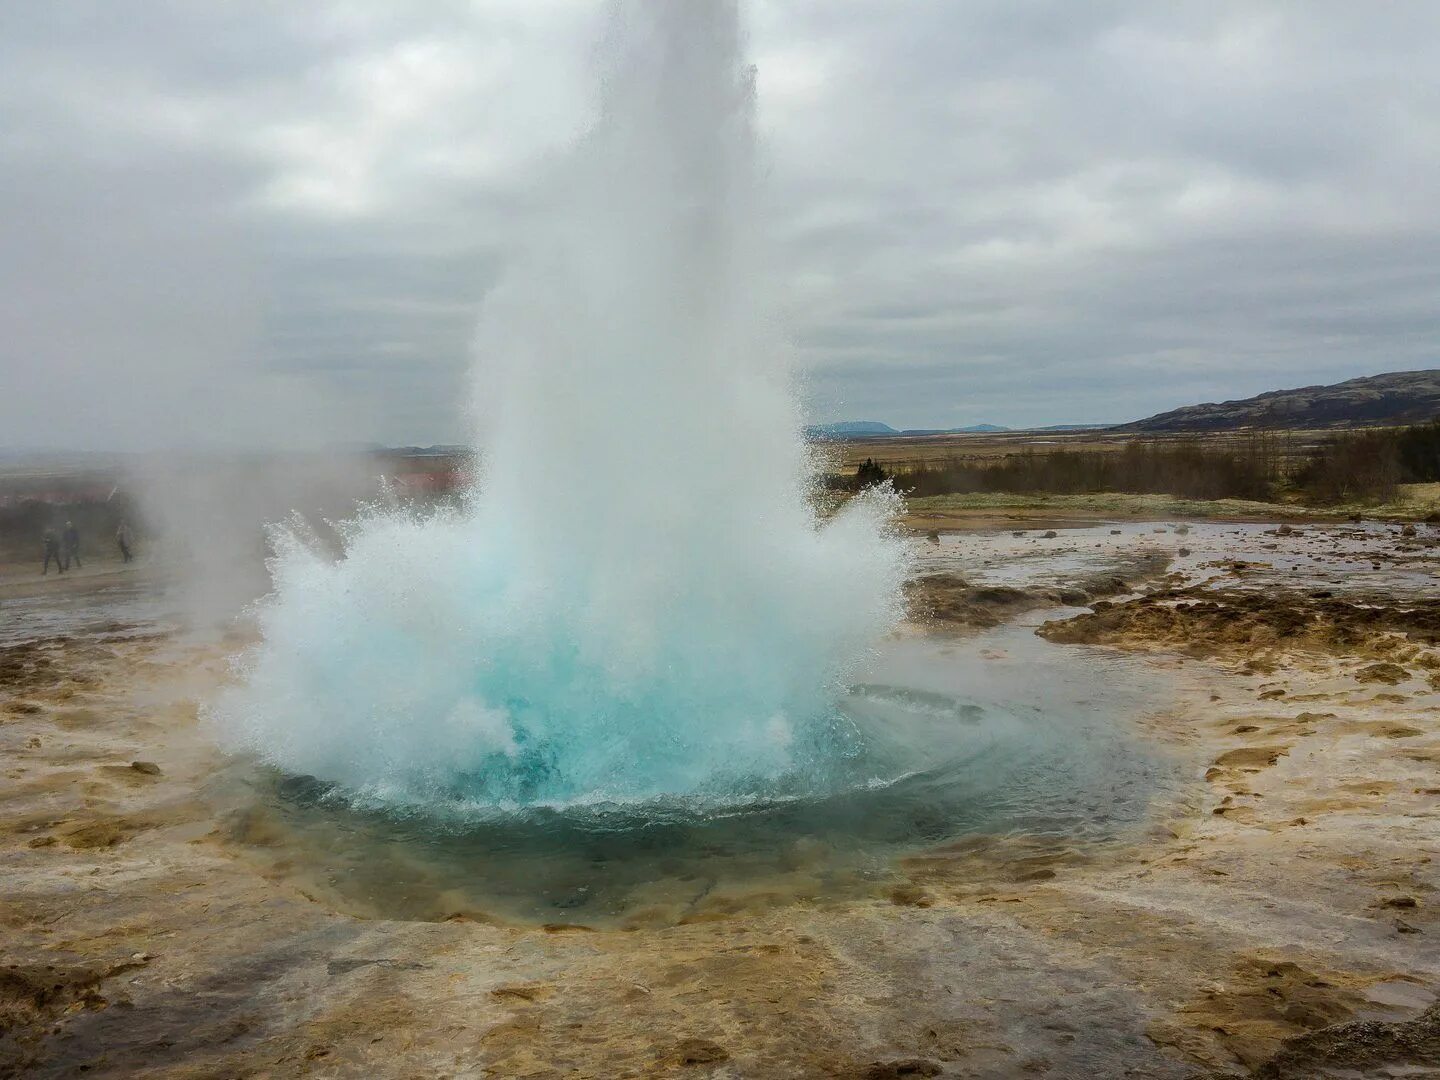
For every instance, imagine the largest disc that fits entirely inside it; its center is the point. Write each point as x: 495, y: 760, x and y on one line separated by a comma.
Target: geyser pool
x: 638, y: 603
x: 1027, y: 747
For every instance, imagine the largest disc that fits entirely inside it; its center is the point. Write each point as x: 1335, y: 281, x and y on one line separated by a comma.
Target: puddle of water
x: 1341, y: 557
x: 94, y: 612
x: 1006, y: 734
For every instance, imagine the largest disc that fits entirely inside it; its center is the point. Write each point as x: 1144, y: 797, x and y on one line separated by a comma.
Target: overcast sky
x: 222, y: 219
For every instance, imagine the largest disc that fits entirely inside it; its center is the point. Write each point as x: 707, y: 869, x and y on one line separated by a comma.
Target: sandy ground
x: 1275, y: 917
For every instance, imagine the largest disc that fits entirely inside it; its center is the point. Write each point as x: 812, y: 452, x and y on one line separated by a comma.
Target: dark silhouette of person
x: 52, y: 551
x: 124, y: 537
x: 72, y: 544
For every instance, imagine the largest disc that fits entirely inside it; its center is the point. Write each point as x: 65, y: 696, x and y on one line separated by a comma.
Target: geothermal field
x: 1111, y: 810
x: 664, y: 749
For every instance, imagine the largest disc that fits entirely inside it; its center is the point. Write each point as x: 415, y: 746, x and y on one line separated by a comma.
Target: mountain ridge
x: 1396, y: 397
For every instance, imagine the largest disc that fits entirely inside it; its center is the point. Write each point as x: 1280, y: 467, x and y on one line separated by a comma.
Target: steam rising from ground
x: 638, y: 601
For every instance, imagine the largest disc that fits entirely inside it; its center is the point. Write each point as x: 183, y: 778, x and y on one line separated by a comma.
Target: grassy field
x: 901, y: 453
x: 1416, y: 502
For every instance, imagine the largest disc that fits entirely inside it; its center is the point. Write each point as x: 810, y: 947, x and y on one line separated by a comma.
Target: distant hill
x: 848, y: 429
x: 1401, y: 397
x: 861, y: 429
x: 973, y: 429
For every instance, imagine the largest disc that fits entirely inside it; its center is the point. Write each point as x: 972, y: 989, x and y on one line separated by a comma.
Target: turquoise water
x: 1010, y: 737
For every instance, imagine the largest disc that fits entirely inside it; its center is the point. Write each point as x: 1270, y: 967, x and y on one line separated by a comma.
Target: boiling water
x: 1008, y: 738
x: 638, y: 606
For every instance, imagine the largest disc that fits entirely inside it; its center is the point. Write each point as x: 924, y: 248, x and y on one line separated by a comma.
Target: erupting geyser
x: 637, y: 602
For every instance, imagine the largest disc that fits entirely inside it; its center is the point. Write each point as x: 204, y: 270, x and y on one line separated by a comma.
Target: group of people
x: 65, y: 548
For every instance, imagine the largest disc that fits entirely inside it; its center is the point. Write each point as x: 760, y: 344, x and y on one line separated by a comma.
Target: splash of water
x: 638, y: 602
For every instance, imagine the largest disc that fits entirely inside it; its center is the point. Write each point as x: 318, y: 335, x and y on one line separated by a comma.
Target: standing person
x: 52, y: 551
x: 124, y: 537
x: 72, y: 544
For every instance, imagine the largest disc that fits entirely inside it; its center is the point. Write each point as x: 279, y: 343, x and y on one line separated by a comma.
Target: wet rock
x: 95, y: 835
x: 1386, y: 672
x: 32, y: 993
x: 305, y: 790
x: 700, y: 1052
x: 902, y: 1067
x: 911, y: 895
x: 1360, y: 1048
x: 1206, y: 622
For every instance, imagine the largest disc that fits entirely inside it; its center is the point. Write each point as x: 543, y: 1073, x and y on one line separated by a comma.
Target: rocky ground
x: 1276, y: 916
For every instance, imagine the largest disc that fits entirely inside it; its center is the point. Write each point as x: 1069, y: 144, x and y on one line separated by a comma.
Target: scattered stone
x: 1284, y: 530
x: 1049, y: 534
x: 1184, y: 553
x: 148, y: 768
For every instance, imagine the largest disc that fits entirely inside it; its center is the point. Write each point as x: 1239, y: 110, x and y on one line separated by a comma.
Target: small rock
x: 1183, y: 553
x: 701, y: 1052
x: 149, y: 768
x: 1400, y: 902
x: 910, y: 895
x: 1049, y: 535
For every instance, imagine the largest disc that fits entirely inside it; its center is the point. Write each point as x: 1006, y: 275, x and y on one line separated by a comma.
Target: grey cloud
x: 248, y: 221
